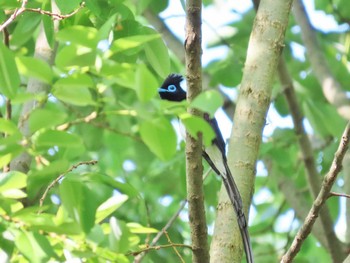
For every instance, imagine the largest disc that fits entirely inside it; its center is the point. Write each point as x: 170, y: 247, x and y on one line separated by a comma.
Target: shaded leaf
x: 9, y: 77
x: 146, y: 84
x: 160, y: 137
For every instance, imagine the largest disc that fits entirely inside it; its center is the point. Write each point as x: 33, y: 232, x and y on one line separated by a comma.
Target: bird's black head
x: 171, y: 89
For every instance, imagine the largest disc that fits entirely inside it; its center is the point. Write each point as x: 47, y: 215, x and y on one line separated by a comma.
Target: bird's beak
x: 162, y: 90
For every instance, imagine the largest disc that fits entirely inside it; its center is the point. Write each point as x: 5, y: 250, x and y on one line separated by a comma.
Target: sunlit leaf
x: 109, y: 206
x: 139, y: 229
x: 45, y: 118
x: 126, y: 43
x: 12, y: 180
x: 208, y: 101
x: 195, y: 125
x: 74, y: 90
x: 7, y: 126
x: 34, y: 246
x: 81, y: 35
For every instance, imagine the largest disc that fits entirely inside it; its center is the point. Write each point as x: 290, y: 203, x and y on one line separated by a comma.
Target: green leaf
x: 158, y: 56
x: 67, y: 6
x: 131, y: 42
x: 45, y: 118
x: 7, y: 126
x: 226, y: 72
x: 79, y: 35
x: 48, y: 24
x: 52, y: 138
x: 14, y: 194
x: 9, y: 77
x: 25, y: 28
x: 195, y: 125
x: 74, y: 90
x: 21, y: 98
x: 136, y: 228
x: 146, y: 84
x: 208, y: 101
x: 12, y: 180
x: 323, y: 118
x: 34, y: 246
x: 75, y: 56
x: 106, y: 28
x: 109, y: 206
x: 119, y: 236
x: 10, y: 147
x: 76, y: 192
x: 122, y: 74
x: 34, y: 68
x: 160, y: 137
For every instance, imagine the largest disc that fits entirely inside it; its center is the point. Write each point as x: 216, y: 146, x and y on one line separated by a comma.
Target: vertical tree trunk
x: 194, y: 168
x: 265, y: 46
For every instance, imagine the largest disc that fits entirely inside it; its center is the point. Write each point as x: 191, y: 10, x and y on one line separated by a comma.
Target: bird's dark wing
x: 211, y: 155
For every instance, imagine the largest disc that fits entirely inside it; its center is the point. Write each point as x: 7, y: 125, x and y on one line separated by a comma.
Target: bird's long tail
x: 236, y: 201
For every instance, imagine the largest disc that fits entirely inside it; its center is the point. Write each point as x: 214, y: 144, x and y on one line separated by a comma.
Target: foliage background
x: 99, y: 102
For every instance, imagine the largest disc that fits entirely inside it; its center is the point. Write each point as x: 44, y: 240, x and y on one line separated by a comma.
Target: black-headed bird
x: 215, y: 155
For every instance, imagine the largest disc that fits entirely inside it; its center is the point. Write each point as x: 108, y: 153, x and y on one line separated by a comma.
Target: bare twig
x: 170, y: 242
x: 160, y: 233
x: 327, y: 184
x: 17, y: 12
x: 312, y: 175
x: 23, y: 9
x: 135, y: 253
x: 55, y: 15
x: 54, y: 182
x: 331, y: 194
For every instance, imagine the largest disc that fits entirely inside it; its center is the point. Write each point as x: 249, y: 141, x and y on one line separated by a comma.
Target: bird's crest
x: 172, y: 79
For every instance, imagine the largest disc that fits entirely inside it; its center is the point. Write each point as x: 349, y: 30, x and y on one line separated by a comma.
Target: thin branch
x: 23, y: 9
x: 327, y: 184
x: 90, y: 119
x: 147, y: 249
x: 312, y: 175
x: 160, y: 233
x: 54, y: 182
x: 176, y: 251
x: 55, y: 15
x: 16, y: 13
x: 331, y: 194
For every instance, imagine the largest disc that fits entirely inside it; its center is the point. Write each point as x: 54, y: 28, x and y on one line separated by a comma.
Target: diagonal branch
x: 16, y: 13
x: 327, y: 184
x: 313, y: 177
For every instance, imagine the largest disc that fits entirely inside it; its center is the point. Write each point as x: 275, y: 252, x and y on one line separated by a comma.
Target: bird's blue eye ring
x: 172, y: 88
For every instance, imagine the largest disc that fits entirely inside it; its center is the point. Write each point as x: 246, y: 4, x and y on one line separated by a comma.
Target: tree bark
x: 194, y: 168
x: 265, y: 46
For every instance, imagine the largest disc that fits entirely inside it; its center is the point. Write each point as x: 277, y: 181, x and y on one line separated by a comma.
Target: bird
x: 215, y: 155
